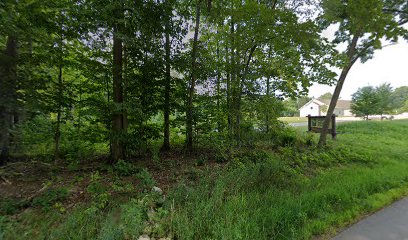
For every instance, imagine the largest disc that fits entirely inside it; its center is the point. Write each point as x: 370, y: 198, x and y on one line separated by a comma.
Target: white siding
x: 310, y: 108
x: 347, y: 113
x: 338, y: 112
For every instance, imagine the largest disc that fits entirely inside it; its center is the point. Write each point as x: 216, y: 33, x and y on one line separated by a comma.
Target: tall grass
x: 294, y: 194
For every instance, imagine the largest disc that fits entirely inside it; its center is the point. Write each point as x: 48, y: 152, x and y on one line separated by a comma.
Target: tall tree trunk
x: 228, y: 92
x: 60, y: 94
x: 79, y: 113
x: 351, y: 60
x: 166, y: 110
x: 241, y: 81
x: 5, y: 125
x: 189, y: 114
x: 268, y: 83
x: 233, y: 84
x: 118, y: 116
x: 219, y: 125
x: 8, y: 99
x: 125, y: 88
x: 57, y: 134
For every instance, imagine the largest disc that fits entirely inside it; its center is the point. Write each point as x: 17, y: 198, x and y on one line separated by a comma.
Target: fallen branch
x: 5, y: 180
x: 30, y: 198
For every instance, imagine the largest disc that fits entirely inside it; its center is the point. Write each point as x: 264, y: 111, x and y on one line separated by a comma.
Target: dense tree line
x: 122, y: 75
x: 379, y: 100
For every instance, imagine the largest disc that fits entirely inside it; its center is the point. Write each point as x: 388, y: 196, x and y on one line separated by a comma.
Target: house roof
x: 342, y: 104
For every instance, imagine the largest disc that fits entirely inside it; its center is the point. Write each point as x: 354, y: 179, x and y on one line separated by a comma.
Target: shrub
x: 132, y: 218
x: 123, y: 168
x: 146, y: 179
x: 98, y: 191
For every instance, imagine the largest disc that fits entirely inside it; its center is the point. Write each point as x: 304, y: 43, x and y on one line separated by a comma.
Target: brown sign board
x: 315, y: 124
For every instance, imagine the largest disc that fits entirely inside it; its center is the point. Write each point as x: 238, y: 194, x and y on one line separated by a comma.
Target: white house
x: 318, y: 107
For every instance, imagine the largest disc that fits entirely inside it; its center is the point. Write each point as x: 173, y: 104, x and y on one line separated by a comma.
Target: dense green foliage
x: 399, y: 99
x: 126, y: 76
x: 125, y: 96
x: 365, y: 102
x: 378, y: 100
x: 292, y: 106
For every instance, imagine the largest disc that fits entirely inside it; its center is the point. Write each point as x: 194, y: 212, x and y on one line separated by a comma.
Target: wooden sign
x: 315, y: 124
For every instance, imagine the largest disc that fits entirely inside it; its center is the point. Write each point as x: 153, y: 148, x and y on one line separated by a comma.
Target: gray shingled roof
x: 342, y: 104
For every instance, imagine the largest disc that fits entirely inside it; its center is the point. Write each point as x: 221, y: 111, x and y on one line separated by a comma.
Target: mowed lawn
x: 299, y: 193
x: 293, y: 119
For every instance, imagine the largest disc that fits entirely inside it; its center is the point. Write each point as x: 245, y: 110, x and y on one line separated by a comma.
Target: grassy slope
x: 289, y: 193
x: 271, y: 200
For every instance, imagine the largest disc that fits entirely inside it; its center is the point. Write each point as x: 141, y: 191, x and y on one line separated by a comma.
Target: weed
x: 50, y: 196
x: 10, y: 206
x: 98, y: 191
x: 146, y: 179
x: 201, y: 160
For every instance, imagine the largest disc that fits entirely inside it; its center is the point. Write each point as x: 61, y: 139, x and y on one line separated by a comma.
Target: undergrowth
x: 288, y: 190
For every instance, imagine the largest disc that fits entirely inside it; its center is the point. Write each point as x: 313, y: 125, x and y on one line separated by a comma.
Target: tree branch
x: 394, y: 11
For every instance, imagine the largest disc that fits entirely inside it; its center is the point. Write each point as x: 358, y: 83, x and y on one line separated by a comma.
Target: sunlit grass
x: 293, y: 119
x: 276, y: 200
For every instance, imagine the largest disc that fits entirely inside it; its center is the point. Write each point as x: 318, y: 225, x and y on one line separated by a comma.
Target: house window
x: 311, y: 107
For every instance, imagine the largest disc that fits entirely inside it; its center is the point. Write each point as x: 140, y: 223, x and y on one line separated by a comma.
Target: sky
x: 389, y: 64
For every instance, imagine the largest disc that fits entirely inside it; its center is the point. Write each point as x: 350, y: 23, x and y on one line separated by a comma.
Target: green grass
x: 300, y: 193
x: 291, y: 192
x: 293, y: 119
x: 82, y: 223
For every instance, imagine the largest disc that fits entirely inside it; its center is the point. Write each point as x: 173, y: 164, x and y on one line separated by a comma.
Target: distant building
x: 318, y: 107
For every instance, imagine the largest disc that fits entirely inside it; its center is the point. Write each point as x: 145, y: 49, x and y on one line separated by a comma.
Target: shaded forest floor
x: 23, y: 180
x: 291, y: 191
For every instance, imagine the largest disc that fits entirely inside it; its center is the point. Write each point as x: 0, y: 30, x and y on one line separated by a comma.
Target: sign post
x: 315, y: 124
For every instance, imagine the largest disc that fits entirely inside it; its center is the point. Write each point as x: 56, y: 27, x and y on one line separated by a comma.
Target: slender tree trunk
x: 8, y: 99
x: 5, y: 124
x: 228, y: 93
x: 79, y: 113
x: 166, y: 110
x: 118, y: 116
x: 241, y: 82
x: 108, y: 99
x: 57, y: 134
x: 125, y: 89
x: 267, y: 113
x: 60, y: 98
x: 233, y: 85
x: 189, y: 114
x: 219, y: 127
x: 351, y: 58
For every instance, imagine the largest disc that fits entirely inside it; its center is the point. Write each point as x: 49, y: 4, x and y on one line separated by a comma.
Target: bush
x: 123, y: 168
x: 99, y: 192
x: 146, y: 179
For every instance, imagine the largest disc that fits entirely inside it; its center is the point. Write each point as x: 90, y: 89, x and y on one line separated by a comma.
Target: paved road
x: 298, y: 124
x: 304, y: 124
x: 349, y: 119
x: 388, y: 224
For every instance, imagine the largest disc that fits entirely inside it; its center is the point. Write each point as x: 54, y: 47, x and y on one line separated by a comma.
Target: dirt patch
x: 25, y: 178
